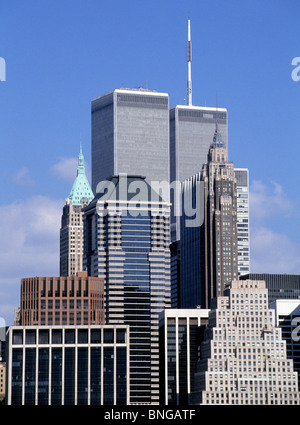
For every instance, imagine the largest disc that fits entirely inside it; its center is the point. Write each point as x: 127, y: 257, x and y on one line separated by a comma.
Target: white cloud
x: 272, y: 250
x: 29, y: 245
x: 266, y: 201
x: 22, y: 177
x: 66, y: 169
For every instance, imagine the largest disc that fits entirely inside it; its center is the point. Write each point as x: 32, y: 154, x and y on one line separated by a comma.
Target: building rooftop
x: 81, y: 188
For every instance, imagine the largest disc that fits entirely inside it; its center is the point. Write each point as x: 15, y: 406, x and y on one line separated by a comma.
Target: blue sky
x: 61, y: 54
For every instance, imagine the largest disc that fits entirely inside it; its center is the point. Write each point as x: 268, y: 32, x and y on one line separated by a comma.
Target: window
x: 69, y: 336
x: 17, y: 337
x: 44, y: 336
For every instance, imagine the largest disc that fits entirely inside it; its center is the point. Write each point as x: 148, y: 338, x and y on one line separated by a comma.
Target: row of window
x: 69, y: 336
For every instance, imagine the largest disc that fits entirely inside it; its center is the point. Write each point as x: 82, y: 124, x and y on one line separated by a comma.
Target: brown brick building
x: 72, y: 300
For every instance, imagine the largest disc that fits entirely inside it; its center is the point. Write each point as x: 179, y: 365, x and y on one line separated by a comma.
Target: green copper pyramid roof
x: 81, y: 187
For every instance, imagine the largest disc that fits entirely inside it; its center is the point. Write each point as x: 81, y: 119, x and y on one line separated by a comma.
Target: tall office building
x: 130, y: 134
x: 208, y: 240
x: 243, y: 357
x: 219, y: 238
x: 126, y: 237
x: 181, y: 333
x: 72, y: 300
x: 190, y: 288
x: 71, y: 231
x: 243, y: 224
x: 191, y: 132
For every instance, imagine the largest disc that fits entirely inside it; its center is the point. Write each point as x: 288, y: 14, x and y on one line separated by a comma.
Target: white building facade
x: 243, y: 357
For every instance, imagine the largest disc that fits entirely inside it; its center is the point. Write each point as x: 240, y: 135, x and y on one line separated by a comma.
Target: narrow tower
x: 71, y: 232
x: 189, y: 60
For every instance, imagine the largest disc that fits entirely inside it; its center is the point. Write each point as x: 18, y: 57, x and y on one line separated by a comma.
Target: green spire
x: 81, y: 188
x: 81, y: 167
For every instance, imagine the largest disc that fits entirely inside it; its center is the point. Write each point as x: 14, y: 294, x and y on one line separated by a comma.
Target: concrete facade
x: 243, y: 357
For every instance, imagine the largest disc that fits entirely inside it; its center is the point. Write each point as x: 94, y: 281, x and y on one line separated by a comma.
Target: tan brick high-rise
x: 73, y: 300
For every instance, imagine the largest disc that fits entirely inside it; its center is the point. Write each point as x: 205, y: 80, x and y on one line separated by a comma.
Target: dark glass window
x: 82, y: 376
x: 43, y: 376
x: 30, y: 376
x: 121, y: 376
x: 16, y: 379
x: 108, y: 336
x: 30, y: 337
x: 17, y: 337
x: 171, y: 332
x: 70, y: 336
x: 121, y: 334
x: 69, y: 376
x: 95, y: 375
x: 82, y: 336
x: 56, y: 376
x: 44, y: 336
x: 108, y: 376
x: 95, y: 336
x: 56, y: 336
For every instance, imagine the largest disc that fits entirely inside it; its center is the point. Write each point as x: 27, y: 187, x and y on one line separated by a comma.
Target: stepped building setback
x: 243, y: 356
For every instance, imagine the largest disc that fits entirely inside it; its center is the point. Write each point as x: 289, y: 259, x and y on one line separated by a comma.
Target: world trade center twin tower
x: 135, y: 132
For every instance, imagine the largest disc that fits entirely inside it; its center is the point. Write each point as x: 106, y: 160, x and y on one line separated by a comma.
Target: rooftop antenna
x: 217, y: 111
x: 189, y: 60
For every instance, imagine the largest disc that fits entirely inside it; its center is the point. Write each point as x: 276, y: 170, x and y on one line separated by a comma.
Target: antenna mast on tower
x: 189, y: 60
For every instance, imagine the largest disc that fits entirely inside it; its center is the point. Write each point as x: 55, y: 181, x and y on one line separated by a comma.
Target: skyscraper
x: 71, y: 231
x: 219, y: 237
x: 126, y: 238
x: 243, y: 357
x: 191, y: 288
x: 130, y: 134
x: 208, y: 243
x: 243, y: 224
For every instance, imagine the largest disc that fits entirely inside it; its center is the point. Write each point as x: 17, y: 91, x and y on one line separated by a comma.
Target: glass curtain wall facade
x: 181, y: 333
x: 129, y: 247
x: 191, y: 248
x: 68, y: 365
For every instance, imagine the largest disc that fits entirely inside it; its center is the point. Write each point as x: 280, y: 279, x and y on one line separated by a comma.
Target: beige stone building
x: 243, y: 356
x: 71, y: 231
